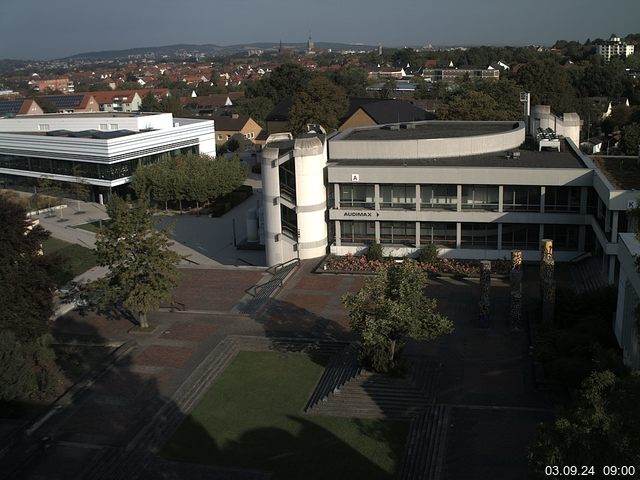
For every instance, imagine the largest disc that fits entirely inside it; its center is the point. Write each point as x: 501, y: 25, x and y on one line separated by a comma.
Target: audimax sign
x: 360, y: 214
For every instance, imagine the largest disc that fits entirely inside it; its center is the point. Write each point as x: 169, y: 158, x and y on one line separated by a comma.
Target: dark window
x: 399, y: 233
x: 521, y: 199
x: 479, y: 235
x: 565, y: 237
x: 289, y: 220
x: 480, y: 197
x: 438, y: 233
x: 288, y: 180
x: 562, y: 199
x: 440, y: 197
x: 357, y: 233
x: 357, y: 196
x: 520, y: 236
x: 398, y: 196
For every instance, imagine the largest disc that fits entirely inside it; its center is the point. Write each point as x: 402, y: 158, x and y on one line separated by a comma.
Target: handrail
x: 253, y: 291
x: 276, y: 268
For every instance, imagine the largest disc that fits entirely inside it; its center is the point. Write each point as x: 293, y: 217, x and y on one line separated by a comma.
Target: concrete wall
x: 626, y: 325
x: 567, y: 126
x: 80, y: 122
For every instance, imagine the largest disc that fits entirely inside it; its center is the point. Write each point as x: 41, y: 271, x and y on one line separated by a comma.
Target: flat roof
x: 529, y: 158
x: 623, y: 173
x: 431, y: 130
x: 89, y: 115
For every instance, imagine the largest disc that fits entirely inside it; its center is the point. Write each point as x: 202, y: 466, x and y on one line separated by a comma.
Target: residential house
x: 76, y: 103
x: 12, y: 108
x: 228, y: 126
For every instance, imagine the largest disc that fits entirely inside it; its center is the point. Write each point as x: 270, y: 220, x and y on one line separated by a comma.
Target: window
x: 398, y: 196
x: 480, y: 197
x: 521, y: 199
x: 479, y: 235
x: 399, y: 233
x: 287, y: 172
x: 562, y: 199
x: 104, y: 126
x: 565, y: 237
x: 219, y: 137
x: 113, y: 126
x: 438, y: 233
x: 357, y: 233
x: 520, y: 236
x: 289, y: 220
x: 440, y: 197
x: 354, y: 195
x: 43, y: 127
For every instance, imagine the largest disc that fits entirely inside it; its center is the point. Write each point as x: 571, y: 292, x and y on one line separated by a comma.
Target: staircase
x: 587, y: 275
x: 261, y: 292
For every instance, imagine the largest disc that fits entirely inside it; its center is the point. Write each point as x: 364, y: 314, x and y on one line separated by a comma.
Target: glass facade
x: 357, y: 195
x: 565, y: 237
x: 480, y: 197
x: 398, y: 196
x: 438, y: 233
x: 562, y: 199
x: 439, y: 197
x: 95, y: 170
x: 287, y: 171
x: 521, y: 199
x: 289, y: 222
x: 398, y: 233
x: 479, y: 235
x: 520, y: 236
x: 357, y: 233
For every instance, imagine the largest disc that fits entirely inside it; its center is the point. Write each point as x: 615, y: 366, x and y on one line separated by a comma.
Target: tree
x: 150, y: 103
x: 26, y: 302
x: 321, y: 102
x: 257, y: 108
x: 285, y: 80
x: 549, y: 84
x: 142, y: 267
x: 389, y: 308
x: 46, y: 105
x: 353, y: 80
x: 602, y: 429
x: 630, y: 141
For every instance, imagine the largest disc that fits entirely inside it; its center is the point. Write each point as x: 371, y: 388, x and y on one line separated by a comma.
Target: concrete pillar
x: 500, y: 200
x: 418, y: 198
x: 614, y: 226
x: 584, y: 193
x: 582, y: 234
x: 499, y: 236
x: 418, y: 234
x: 458, y: 235
x: 337, y: 228
x: 377, y: 230
x: 515, y: 278
x: 542, y: 195
x: 547, y: 280
x: 607, y: 221
x: 271, y: 205
x: 376, y: 196
x: 612, y: 269
x: 336, y: 195
x: 459, y: 206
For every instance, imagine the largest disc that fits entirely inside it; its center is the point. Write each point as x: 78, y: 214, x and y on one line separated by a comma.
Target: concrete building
x: 63, y: 85
x: 234, y: 124
x: 100, y: 150
x: 476, y: 189
x: 614, y: 47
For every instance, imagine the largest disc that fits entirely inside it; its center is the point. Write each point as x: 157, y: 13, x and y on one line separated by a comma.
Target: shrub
x: 374, y: 252
x: 428, y: 253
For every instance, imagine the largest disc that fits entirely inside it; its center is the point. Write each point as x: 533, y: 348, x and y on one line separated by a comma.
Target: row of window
x: 474, y: 197
x: 102, y: 171
x: 473, y: 235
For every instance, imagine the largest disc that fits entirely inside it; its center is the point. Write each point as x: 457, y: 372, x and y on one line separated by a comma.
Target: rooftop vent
x: 408, y: 126
x: 513, y: 155
x: 392, y: 127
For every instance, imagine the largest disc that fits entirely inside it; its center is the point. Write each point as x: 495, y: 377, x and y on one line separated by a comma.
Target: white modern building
x: 614, y: 47
x: 101, y: 150
x: 478, y: 190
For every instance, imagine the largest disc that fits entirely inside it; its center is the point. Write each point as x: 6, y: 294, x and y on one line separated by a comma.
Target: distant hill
x: 206, y: 49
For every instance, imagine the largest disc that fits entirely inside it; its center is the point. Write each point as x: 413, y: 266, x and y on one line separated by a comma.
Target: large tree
x: 285, y: 80
x: 549, y: 84
x: 321, y: 102
x: 26, y: 298
x: 142, y: 267
x: 391, y: 307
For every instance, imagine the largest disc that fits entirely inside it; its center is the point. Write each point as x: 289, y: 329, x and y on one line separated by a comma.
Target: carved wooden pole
x: 485, y: 286
x: 515, y: 312
x: 547, y: 280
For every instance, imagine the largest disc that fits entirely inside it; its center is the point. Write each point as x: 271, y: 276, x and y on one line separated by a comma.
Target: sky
x: 46, y: 29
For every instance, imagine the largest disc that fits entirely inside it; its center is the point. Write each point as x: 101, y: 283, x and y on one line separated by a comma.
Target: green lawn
x: 252, y: 418
x: 92, y: 226
x: 75, y: 259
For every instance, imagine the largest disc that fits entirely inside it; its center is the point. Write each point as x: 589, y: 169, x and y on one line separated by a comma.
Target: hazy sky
x: 42, y: 29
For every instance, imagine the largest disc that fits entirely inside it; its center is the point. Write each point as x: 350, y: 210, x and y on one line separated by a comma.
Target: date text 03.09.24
x: 569, y: 471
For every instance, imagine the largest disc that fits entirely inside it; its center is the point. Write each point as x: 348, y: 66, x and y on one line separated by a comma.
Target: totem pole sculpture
x: 547, y: 280
x: 485, y: 285
x: 515, y: 312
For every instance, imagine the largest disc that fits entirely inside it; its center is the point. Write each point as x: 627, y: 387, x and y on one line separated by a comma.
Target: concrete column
x: 337, y: 229
x: 377, y: 229
x: 607, y: 221
x: 500, y: 201
x: 418, y: 198
x: 542, y: 194
x: 459, y: 209
x: 614, y: 226
x: 271, y: 206
x: 582, y: 232
x: 376, y: 196
x: 458, y: 235
x: 612, y: 269
x: 584, y: 192
x: 418, y: 234
x: 541, y: 231
x: 499, y: 236
x: 599, y: 206
x: 336, y: 195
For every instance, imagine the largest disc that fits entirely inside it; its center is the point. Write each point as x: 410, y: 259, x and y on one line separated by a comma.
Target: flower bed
x: 442, y: 266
